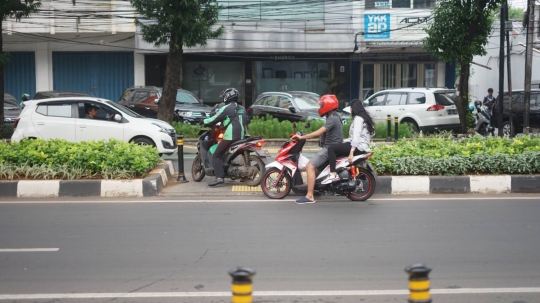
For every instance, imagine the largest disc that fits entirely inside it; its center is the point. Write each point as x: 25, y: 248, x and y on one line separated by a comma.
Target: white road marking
x: 243, y: 199
x: 265, y: 293
x: 28, y: 250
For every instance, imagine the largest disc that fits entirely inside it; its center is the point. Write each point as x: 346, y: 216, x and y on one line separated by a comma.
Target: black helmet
x: 477, y: 103
x: 229, y: 95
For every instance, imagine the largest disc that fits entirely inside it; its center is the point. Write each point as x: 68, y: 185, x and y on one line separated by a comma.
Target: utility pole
x: 501, y: 70
x: 508, y: 27
x: 528, y: 65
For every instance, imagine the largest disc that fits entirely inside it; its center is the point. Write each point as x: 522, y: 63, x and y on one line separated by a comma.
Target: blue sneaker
x: 304, y: 200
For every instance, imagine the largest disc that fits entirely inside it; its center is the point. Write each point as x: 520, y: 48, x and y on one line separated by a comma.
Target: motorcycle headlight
x: 185, y: 114
x: 160, y: 128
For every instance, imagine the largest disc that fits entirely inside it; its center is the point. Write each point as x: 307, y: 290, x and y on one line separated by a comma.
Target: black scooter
x: 243, y: 159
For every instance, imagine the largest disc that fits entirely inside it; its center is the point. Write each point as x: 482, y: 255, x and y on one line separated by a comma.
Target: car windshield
x: 306, y: 102
x: 186, y: 98
x: 123, y: 109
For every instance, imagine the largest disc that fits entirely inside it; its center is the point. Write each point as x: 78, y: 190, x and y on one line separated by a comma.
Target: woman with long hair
x: 360, y: 133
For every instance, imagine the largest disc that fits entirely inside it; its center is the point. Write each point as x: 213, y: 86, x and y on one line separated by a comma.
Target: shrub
x: 444, y: 156
x: 188, y: 130
x: 271, y: 128
x: 59, y: 159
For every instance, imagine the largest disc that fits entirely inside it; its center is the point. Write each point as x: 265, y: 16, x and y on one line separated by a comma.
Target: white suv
x: 426, y: 109
x: 84, y: 118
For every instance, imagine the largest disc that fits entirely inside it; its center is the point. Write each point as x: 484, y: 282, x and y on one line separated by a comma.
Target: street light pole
x: 528, y: 65
x: 501, y: 69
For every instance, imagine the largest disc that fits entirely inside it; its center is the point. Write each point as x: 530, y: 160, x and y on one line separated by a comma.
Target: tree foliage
x: 459, y: 30
x: 16, y: 9
x: 178, y: 23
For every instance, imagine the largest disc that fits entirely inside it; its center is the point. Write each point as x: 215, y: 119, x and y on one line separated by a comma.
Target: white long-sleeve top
x: 359, y: 135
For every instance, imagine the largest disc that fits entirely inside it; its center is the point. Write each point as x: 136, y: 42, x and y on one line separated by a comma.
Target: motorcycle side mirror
x: 307, y: 125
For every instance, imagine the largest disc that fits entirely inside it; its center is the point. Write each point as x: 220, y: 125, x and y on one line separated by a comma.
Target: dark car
x: 12, y: 109
x: 293, y: 106
x: 58, y: 94
x: 518, y: 109
x: 144, y: 100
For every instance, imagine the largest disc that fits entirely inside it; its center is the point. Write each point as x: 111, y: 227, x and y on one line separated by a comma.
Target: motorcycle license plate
x: 262, y: 153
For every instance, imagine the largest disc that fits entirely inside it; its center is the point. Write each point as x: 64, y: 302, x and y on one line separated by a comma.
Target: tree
x: 11, y: 9
x: 180, y: 23
x: 458, y: 31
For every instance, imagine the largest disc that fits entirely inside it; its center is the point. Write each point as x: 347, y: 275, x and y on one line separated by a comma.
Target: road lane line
x: 457, y: 291
x: 4, y: 250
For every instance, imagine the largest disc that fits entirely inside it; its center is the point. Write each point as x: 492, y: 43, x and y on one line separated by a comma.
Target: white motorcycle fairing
x: 290, y: 165
x: 341, y: 163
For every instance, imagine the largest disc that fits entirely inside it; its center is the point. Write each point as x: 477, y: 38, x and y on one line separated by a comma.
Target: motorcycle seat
x: 247, y: 140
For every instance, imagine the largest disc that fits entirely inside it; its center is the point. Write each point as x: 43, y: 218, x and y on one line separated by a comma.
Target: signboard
x: 413, y: 22
x: 376, y: 26
x: 382, y: 4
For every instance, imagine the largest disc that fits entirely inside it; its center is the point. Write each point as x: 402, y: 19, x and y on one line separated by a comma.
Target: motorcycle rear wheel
x: 365, y: 186
x: 270, y: 178
x: 259, y: 164
x: 197, y: 169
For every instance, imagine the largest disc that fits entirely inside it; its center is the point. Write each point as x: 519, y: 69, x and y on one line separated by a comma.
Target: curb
x: 149, y: 186
x: 493, y: 184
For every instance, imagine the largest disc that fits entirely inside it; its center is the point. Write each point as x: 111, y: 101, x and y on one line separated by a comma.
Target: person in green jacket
x: 233, y: 123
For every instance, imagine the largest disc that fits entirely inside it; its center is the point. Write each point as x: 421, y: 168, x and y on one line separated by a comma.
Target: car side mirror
x: 292, y: 109
x: 118, y: 118
x: 156, y: 101
x: 366, y: 103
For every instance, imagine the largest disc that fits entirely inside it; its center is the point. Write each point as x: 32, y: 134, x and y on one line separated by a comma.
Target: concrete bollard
x: 418, y: 283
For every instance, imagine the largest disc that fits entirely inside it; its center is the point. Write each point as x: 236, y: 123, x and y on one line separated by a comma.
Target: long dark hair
x: 358, y: 109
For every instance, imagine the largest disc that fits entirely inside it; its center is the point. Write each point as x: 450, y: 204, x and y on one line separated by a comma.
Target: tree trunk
x: 1, y: 81
x: 462, y: 103
x: 172, y: 81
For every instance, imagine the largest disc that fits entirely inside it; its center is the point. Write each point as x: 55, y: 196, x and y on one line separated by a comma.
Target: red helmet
x: 327, y: 103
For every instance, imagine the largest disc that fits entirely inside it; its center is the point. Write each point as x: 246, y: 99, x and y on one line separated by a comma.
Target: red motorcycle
x: 357, y: 180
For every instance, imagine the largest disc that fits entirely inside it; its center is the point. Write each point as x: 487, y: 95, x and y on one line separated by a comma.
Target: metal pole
x: 528, y: 66
x: 181, y: 176
x: 508, y: 28
x: 389, y: 126
x: 418, y: 283
x: 242, y: 285
x: 501, y: 70
x: 396, y: 128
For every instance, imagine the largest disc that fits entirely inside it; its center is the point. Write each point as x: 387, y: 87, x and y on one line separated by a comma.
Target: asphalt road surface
x: 481, y: 249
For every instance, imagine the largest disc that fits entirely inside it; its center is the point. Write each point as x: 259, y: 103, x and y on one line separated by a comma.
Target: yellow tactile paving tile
x: 245, y: 188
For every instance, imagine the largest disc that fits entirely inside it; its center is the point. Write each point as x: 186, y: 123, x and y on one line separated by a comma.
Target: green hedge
x: 59, y: 159
x: 444, y: 156
x: 271, y: 128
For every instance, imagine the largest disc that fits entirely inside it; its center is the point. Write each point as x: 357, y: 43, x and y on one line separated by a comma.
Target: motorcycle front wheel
x: 365, y: 186
x: 274, y: 189
x: 256, y: 178
x: 197, y: 169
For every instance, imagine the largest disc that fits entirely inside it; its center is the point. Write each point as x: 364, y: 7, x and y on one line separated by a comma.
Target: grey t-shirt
x: 334, y: 131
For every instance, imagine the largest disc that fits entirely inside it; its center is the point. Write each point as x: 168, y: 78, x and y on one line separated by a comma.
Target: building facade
x: 268, y: 45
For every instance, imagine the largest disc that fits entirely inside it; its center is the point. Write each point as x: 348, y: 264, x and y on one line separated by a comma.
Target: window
x: 443, y: 99
x: 128, y: 95
x: 261, y: 101
x: 139, y: 96
x: 429, y: 75
x: 423, y: 3
x: 96, y: 111
x: 239, y: 10
x: 417, y: 98
x: 55, y: 110
x: 377, y: 100
x: 401, y: 3
x: 388, y: 75
x: 396, y: 99
x: 409, y: 75
x: 272, y: 101
x: 285, y: 102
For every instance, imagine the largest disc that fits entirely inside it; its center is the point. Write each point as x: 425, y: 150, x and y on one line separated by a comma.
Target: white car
x: 426, y: 109
x: 78, y: 119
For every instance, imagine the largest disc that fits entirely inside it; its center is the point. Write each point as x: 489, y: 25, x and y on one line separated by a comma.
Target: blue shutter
x: 20, y: 74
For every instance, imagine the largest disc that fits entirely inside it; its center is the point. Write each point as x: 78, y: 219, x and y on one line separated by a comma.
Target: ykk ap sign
x: 376, y: 26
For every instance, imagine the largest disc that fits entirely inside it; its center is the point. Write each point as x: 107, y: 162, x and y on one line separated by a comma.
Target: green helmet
x: 25, y: 97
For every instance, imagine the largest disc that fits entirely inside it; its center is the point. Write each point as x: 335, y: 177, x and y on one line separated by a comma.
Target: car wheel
x: 507, y: 129
x: 144, y: 142
x: 414, y: 126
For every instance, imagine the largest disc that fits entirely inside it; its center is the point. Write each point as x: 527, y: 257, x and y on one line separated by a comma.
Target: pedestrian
x: 489, y: 100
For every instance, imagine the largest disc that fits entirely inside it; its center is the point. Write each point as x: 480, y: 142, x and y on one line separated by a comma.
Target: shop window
x: 368, y: 80
x: 207, y: 79
x: 239, y: 10
x: 429, y: 75
x: 388, y: 75
x: 409, y: 75
x: 285, y: 76
x: 423, y: 3
x: 401, y: 3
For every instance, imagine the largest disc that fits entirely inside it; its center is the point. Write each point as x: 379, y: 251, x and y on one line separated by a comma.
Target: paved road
x: 179, y: 250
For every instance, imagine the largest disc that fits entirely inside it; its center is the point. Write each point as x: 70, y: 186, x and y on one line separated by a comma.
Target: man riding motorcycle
x: 232, y: 119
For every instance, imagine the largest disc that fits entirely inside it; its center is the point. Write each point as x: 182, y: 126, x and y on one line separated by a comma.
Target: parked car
x: 82, y: 119
x: 518, y: 109
x: 58, y: 94
x: 293, y: 106
x: 12, y: 109
x: 426, y: 109
x: 144, y: 100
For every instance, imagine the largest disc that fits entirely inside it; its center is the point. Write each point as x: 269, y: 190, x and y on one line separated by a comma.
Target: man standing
x: 489, y: 101
x: 332, y: 133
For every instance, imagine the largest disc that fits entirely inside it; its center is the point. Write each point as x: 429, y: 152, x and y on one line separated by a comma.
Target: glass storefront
x: 283, y: 76
x: 206, y: 79
x: 381, y: 76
